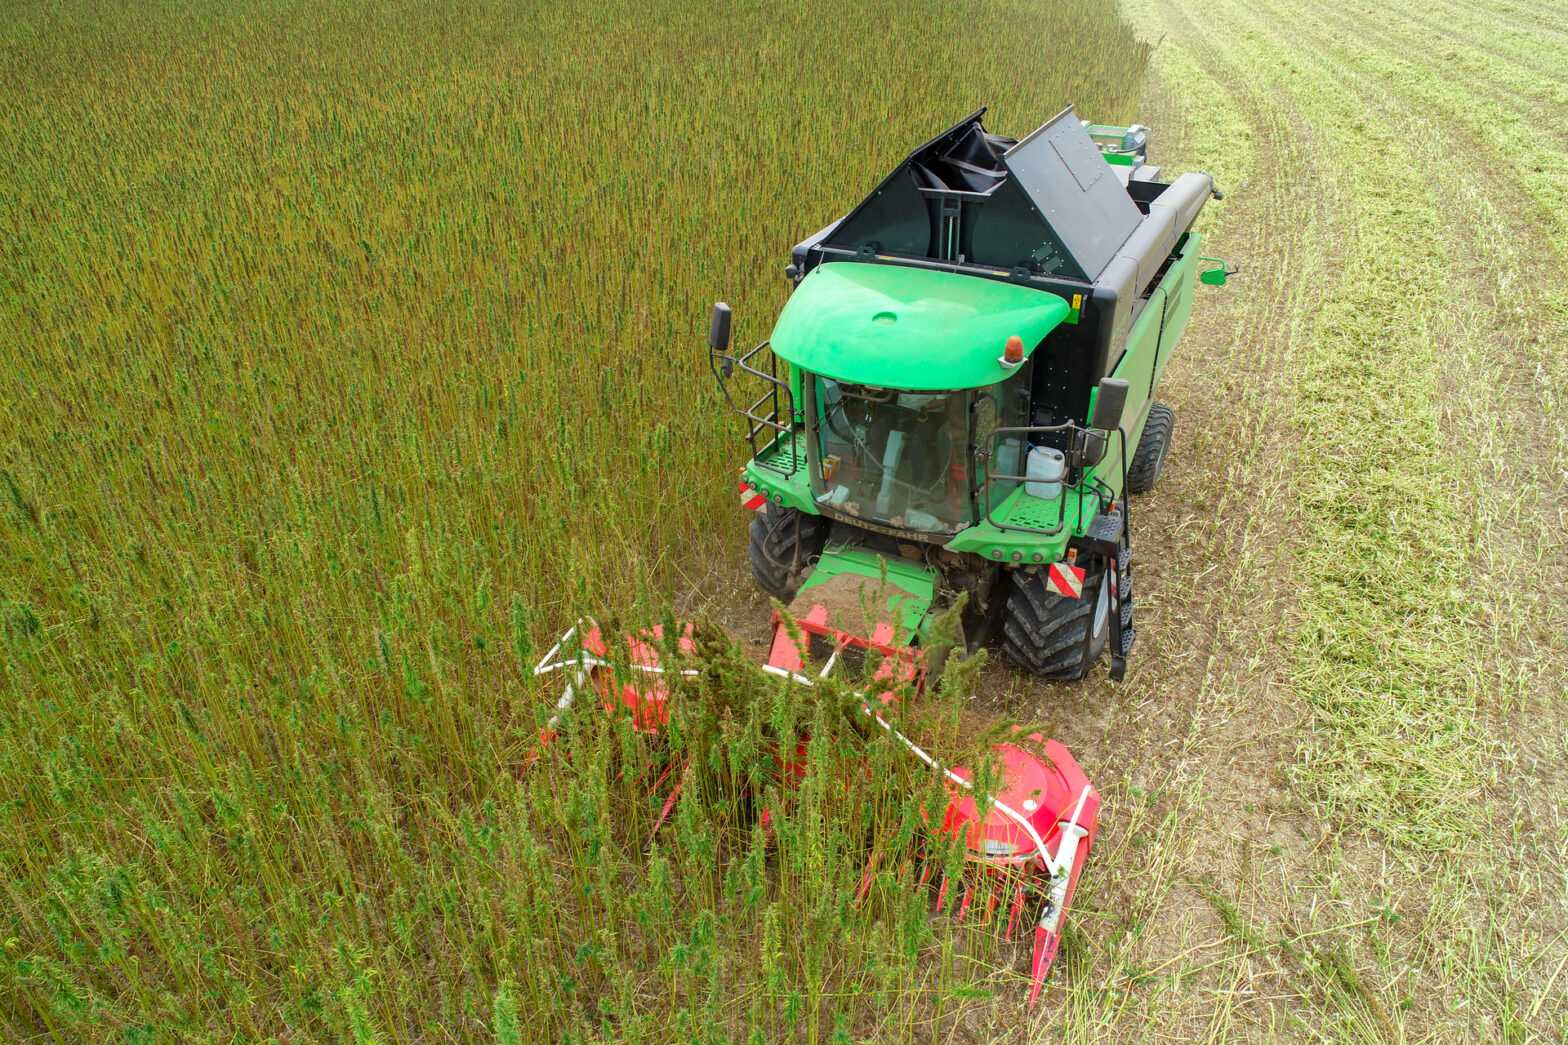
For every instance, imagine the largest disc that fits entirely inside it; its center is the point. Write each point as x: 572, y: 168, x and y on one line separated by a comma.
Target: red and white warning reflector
x: 752, y: 499
x: 1067, y: 579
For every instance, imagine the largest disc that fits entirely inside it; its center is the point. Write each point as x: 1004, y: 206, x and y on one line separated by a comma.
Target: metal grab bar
x: 762, y: 415
x: 1073, y: 430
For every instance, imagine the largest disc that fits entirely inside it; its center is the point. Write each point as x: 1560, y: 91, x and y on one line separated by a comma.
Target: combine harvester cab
x: 972, y: 359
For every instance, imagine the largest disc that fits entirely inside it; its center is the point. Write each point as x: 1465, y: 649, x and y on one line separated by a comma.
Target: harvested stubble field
x: 348, y: 355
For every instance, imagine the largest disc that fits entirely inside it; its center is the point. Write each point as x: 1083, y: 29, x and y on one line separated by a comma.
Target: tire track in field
x: 1508, y: 299
x: 1510, y: 274
x: 1508, y: 103
x: 1246, y: 826
x: 1198, y: 731
x: 1248, y: 34
x: 1484, y: 28
x: 1499, y: 385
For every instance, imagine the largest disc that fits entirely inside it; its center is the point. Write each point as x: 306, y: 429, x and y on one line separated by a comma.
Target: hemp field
x: 350, y: 352
x: 348, y: 357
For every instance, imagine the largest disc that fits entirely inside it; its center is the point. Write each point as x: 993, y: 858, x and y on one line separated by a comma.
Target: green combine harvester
x: 973, y: 355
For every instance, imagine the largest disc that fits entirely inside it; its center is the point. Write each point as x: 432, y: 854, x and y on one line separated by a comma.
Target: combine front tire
x: 1052, y: 635
x: 1153, y: 447
x: 785, y: 544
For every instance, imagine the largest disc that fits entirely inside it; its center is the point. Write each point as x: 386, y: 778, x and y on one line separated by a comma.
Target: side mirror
x: 1109, y: 404
x: 1088, y: 448
x: 1218, y: 274
x: 719, y: 337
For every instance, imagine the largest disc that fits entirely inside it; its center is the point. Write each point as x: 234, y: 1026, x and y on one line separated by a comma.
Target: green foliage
x: 350, y: 351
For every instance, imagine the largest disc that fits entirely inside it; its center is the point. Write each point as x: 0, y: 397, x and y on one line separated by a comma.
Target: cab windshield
x: 892, y: 457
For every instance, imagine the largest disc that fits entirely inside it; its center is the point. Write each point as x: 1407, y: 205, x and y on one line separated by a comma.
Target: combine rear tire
x: 1153, y: 447
x: 1044, y: 632
x: 785, y: 544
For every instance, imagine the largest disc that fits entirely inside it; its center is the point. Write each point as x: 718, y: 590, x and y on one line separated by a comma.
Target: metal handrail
x: 1061, y: 509
x: 762, y: 415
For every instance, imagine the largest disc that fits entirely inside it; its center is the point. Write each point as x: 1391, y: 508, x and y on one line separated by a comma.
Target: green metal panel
x: 1178, y: 284
x: 910, y: 586
x: 1149, y: 346
x: 895, y: 326
x: 1136, y: 367
x: 792, y: 491
x: 997, y: 544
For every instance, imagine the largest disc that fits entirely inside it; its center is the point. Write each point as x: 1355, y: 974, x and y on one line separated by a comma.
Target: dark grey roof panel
x: 1049, y: 204
x: 1075, y: 191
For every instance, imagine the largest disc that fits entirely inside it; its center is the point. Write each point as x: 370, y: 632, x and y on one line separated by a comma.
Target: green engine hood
x: 893, y: 326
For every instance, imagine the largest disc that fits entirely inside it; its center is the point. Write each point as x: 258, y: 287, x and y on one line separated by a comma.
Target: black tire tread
x: 1044, y: 632
x: 1148, y: 460
x: 785, y: 543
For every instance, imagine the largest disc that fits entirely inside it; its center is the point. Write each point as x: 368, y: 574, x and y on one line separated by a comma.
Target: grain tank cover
x: 1049, y: 204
